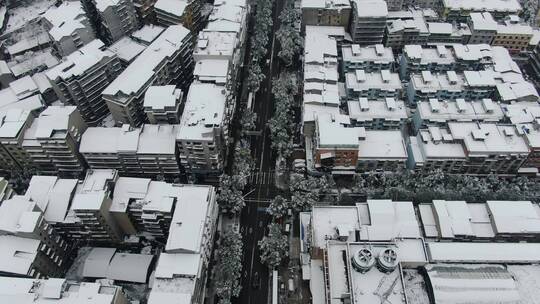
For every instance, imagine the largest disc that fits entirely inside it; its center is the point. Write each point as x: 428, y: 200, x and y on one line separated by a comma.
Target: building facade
x: 368, y: 21
x: 52, y: 141
x: 326, y: 13
x: 183, y: 12
x: 162, y: 104
x: 112, y: 19
x: 82, y: 76
x: 146, y: 151
x: 69, y: 28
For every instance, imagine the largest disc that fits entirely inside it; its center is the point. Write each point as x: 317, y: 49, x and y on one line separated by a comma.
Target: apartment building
x: 168, y: 60
x: 162, y: 104
x: 145, y: 10
x: 369, y: 58
x: 90, y: 210
x: 460, y: 10
x: 513, y: 34
x: 141, y: 205
x: 146, y: 151
x: 112, y: 19
x: 382, y: 114
x: 68, y: 26
x: 368, y: 21
x: 525, y: 115
x: 81, y: 78
x: 407, y: 27
x: 470, y: 85
x: 196, y: 207
x: 54, y: 195
x: 469, y: 148
x: 483, y: 28
x: 321, y: 95
x: 443, y: 32
x: 57, y: 291
x: 78, y: 209
x: 52, y: 141
x: 374, y: 85
x: 23, y: 225
x: 203, y: 130
x: 326, y: 13
x: 13, y: 126
x: 440, y: 112
x: 221, y: 44
x: 345, y: 150
x: 19, y: 92
x: 183, y: 12
x: 440, y: 58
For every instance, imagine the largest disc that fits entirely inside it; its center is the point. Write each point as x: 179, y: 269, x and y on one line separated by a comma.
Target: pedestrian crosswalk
x: 261, y: 178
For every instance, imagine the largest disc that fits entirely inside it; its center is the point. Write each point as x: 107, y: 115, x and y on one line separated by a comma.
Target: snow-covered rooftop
x: 372, y: 54
x: 493, y: 252
x: 80, y: 61
x: 212, y: 70
x: 319, y: 46
x: 360, y: 81
x: 19, y: 215
x: 52, y: 195
x: 148, y: 33
x: 204, y: 110
x: 53, y: 121
x: 326, y: 4
x: 147, y: 195
x: 514, y: 217
x: 17, y: 254
x: 522, y: 112
x: 483, y: 22
x: 97, y: 262
x: 484, y: 139
x: 102, y: 5
x: 127, y: 49
x: 161, y: 97
x: 173, y: 7
x: 369, y: 110
x: 12, y: 122
x: 189, y: 219
x: 332, y: 135
x: 371, y: 8
x: 34, y: 291
x: 171, y: 265
x: 460, y: 283
x: 483, y: 5
x: 455, y: 219
x: 130, y: 267
x: 65, y: 19
x: 459, y: 110
x: 138, y: 74
x: 382, y: 145
x: 31, y: 62
x: 215, y: 44
x: 149, y: 139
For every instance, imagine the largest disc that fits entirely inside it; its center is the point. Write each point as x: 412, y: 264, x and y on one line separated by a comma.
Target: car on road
x: 256, y: 281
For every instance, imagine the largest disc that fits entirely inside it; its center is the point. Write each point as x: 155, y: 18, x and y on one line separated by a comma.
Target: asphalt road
x: 260, y: 190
